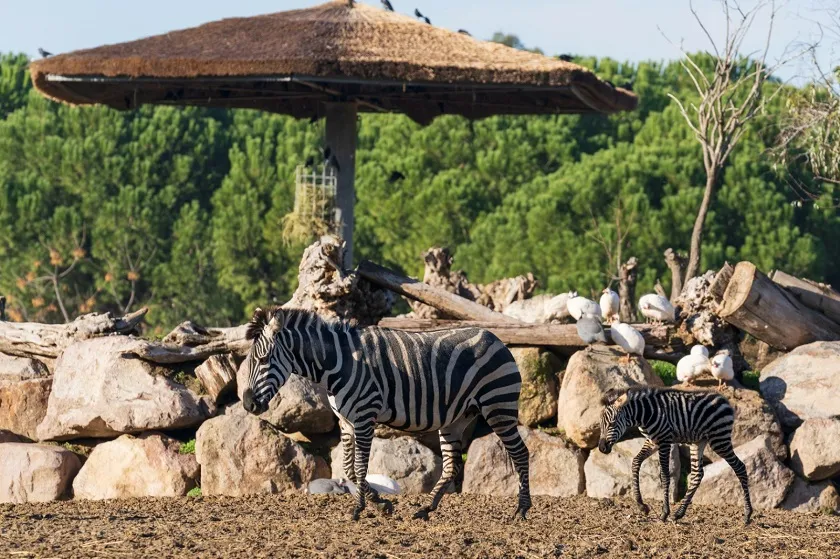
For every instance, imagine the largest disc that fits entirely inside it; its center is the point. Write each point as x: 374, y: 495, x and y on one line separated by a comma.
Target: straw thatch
x: 291, y: 62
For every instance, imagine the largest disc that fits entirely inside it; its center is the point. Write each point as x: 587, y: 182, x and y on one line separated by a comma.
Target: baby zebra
x: 433, y: 381
x: 667, y: 417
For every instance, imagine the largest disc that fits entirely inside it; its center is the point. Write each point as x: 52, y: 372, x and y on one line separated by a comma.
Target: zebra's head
x: 613, y: 422
x: 270, y: 362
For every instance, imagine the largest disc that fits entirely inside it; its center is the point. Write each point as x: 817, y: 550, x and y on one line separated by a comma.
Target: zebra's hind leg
x: 503, y: 423
x: 450, y: 446
x: 364, y: 437
x: 647, y: 449
x: 348, y: 444
x: 723, y: 448
x: 665, y: 477
x: 695, y: 478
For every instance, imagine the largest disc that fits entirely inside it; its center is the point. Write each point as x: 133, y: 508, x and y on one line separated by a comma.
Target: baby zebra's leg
x: 647, y: 450
x: 694, y: 480
x: 723, y: 448
x: 665, y: 477
x: 450, y: 446
x: 504, y: 426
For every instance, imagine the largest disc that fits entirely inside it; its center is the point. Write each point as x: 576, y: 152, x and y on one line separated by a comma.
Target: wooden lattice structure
x: 315, y: 212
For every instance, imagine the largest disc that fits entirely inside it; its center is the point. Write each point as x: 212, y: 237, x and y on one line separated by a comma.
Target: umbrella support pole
x: 341, y: 139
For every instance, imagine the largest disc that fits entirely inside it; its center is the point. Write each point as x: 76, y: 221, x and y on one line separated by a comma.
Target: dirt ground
x: 465, y: 526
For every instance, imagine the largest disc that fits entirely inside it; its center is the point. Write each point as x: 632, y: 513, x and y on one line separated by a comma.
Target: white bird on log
x: 609, y: 304
x: 699, y: 350
x: 693, y: 365
x: 656, y: 308
x: 722, y: 368
x: 627, y: 338
x: 579, y: 306
x: 590, y: 329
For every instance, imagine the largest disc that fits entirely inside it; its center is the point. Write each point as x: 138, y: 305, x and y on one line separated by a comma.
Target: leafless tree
x: 613, y: 239
x: 732, y: 96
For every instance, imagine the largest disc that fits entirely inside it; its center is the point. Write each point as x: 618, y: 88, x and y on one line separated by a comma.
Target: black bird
x: 464, y: 32
x: 326, y: 151
x: 44, y: 53
x: 566, y: 57
x: 395, y: 176
x: 421, y: 16
x: 333, y: 161
x: 628, y: 85
x: 310, y: 161
x: 387, y: 5
x: 611, y: 84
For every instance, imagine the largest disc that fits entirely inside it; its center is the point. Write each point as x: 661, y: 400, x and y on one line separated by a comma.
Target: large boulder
x: 101, y: 389
x: 23, y: 406
x: 804, y: 384
x: 412, y: 465
x: 241, y: 454
x: 815, y: 449
x: 609, y: 475
x: 35, y: 472
x: 150, y: 465
x: 429, y: 439
x: 770, y: 480
x: 538, y: 398
x: 812, y: 497
x: 556, y: 466
x: 589, y: 375
x: 16, y: 369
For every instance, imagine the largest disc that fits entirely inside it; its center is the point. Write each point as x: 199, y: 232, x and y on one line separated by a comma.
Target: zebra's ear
x: 256, y: 324
x: 278, y: 320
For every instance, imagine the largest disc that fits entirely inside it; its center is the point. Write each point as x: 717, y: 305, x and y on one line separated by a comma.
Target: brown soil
x: 465, y: 526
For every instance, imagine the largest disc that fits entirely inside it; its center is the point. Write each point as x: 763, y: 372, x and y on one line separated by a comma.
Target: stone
x: 101, y: 389
x: 146, y: 466
x: 403, y: 459
x: 301, y: 406
x: 589, y: 375
x: 240, y: 454
x: 804, y: 384
x: 556, y: 466
x: 218, y: 376
x: 429, y: 439
x: 770, y: 480
x: 540, y: 386
x: 35, y: 472
x: 815, y: 449
x: 16, y: 369
x: 610, y: 475
x: 23, y: 406
x: 812, y: 497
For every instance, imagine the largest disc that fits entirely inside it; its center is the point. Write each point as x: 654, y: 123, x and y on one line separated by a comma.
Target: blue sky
x: 622, y: 29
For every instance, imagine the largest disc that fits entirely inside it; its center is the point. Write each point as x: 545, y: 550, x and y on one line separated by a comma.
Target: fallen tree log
x: 660, y: 341
x: 813, y: 295
x: 32, y: 339
x: 440, y: 299
x: 755, y: 304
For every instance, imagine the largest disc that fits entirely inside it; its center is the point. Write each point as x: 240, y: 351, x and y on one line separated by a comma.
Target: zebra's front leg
x: 665, y: 477
x: 644, y: 454
x: 348, y: 444
x: 364, y: 437
x: 696, y: 477
x: 450, y: 446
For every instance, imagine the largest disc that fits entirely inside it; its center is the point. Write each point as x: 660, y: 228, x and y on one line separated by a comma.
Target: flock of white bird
x: 590, y: 317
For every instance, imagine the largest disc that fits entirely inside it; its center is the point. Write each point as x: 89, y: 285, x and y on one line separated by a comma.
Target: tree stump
x: 218, y: 376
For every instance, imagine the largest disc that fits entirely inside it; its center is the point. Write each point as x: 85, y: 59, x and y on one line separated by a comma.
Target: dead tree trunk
x: 2, y: 307
x: 756, y: 305
x: 627, y: 290
x: 676, y: 263
x: 816, y: 296
x: 721, y: 281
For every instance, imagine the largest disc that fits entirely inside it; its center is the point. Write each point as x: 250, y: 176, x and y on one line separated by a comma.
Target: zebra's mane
x: 291, y: 316
x: 614, y: 394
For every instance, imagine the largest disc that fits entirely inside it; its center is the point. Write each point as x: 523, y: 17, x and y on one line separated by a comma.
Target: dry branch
x: 817, y: 296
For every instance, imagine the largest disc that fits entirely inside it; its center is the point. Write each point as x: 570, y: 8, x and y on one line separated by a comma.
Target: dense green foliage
x: 181, y: 209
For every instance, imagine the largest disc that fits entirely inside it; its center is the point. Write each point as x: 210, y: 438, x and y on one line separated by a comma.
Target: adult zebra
x: 667, y: 417
x: 432, y: 381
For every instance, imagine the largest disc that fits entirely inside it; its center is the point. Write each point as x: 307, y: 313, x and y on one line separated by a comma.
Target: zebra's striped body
x: 433, y: 381
x: 667, y: 417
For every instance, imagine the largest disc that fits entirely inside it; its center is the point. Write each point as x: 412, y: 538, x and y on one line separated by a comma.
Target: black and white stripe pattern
x: 667, y: 417
x: 432, y: 381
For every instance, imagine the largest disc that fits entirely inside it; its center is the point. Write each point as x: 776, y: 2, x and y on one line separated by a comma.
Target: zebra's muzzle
x: 251, y: 404
x: 604, y: 446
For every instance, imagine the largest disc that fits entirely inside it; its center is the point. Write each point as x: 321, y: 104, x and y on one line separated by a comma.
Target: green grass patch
x: 463, y: 457
x: 188, y: 447
x: 666, y: 371
x: 194, y: 492
x: 751, y: 379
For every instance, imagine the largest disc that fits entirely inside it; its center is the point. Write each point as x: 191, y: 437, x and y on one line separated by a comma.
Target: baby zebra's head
x: 270, y: 362
x: 613, y: 422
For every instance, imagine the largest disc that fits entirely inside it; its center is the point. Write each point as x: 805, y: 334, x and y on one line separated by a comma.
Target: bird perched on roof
x: 656, y: 308
x: 421, y: 16
x: 310, y: 162
x: 627, y: 338
x: 566, y: 57
x: 578, y: 306
x: 464, y: 32
x: 628, y: 85
x: 693, y: 365
x: 609, y: 303
x: 590, y: 329
x: 44, y: 53
x: 722, y: 368
x: 387, y: 5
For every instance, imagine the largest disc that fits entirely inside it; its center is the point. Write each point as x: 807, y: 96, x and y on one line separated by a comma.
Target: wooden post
x: 341, y: 139
x: 2, y: 307
x: 813, y: 295
x: 756, y: 305
x: 627, y: 290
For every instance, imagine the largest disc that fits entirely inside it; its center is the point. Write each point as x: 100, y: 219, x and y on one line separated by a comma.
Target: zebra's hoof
x: 678, y: 515
x: 643, y: 508
x: 664, y: 516
x: 521, y: 514
x: 747, y: 518
x: 385, y: 506
x: 356, y: 513
x: 422, y: 514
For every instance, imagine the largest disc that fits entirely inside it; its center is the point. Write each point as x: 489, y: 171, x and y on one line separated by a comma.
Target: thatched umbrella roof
x: 291, y: 62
